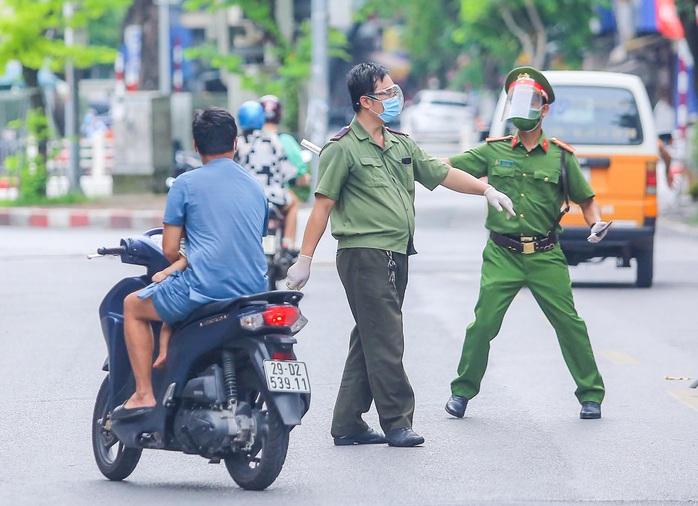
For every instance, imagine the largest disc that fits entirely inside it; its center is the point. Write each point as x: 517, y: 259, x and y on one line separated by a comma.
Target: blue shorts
x: 171, y: 298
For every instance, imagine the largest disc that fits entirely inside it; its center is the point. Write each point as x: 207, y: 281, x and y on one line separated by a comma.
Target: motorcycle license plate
x: 269, y: 244
x: 286, y: 376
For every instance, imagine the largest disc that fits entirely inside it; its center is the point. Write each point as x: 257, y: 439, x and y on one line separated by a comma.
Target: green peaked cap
x: 533, y: 74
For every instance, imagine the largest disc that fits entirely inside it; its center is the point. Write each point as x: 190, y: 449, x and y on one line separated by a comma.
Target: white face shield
x: 525, y: 99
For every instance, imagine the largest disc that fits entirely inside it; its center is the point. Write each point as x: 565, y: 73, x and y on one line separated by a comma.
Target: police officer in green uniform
x: 365, y: 184
x: 524, y: 251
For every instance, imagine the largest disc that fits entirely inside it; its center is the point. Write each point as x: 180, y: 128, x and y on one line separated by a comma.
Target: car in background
x: 607, y: 118
x: 438, y: 116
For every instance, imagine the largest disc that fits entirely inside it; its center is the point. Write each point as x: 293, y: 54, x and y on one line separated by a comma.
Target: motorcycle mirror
x: 310, y: 146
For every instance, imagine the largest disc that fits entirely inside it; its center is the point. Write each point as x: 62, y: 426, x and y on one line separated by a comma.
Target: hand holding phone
x: 598, y: 231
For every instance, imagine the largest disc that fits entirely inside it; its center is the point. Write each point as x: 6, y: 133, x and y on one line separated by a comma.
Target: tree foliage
x: 476, y: 41
x: 32, y: 32
x: 105, y: 30
x: 286, y: 79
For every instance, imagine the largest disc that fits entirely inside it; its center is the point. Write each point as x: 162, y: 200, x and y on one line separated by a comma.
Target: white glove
x: 299, y: 273
x: 498, y: 200
x: 598, y: 231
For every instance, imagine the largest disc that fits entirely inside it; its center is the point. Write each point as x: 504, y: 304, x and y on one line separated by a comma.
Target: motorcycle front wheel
x: 114, y: 460
x: 258, y: 468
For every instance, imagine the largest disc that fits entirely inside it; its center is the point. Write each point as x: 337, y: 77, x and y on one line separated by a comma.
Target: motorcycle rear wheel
x: 259, y: 468
x: 114, y: 460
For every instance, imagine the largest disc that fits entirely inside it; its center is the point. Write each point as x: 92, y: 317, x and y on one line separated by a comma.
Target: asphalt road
x: 521, y: 441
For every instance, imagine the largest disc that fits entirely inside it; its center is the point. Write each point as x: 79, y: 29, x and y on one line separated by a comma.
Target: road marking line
x: 688, y: 397
x: 618, y: 357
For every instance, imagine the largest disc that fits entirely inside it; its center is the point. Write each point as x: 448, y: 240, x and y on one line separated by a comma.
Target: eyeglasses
x: 385, y: 94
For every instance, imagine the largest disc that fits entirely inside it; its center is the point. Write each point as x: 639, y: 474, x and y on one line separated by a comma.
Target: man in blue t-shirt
x: 224, y: 213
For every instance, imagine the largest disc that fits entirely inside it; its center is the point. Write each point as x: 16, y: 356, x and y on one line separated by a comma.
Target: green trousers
x: 373, y: 370
x: 546, y: 275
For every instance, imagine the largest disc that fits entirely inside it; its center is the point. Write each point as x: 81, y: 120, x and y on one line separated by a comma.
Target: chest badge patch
x: 504, y: 163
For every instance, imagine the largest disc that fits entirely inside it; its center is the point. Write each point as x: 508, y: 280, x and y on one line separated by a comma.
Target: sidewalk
x: 139, y: 211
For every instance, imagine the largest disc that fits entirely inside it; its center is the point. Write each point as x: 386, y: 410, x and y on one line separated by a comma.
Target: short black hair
x: 214, y: 131
x: 362, y: 80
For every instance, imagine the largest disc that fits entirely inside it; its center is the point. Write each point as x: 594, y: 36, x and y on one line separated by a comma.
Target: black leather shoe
x: 456, y: 406
x: 368, y: 437
x: 590, y: 410
x: 122, y: 413
x: 403, y: 437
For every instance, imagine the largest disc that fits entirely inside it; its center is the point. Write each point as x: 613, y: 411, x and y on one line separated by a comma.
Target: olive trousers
x: 373, y: 371
x: 546, y: 275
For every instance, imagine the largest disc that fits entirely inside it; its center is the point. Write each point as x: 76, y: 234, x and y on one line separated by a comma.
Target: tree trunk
x: 145, y: 14
x: 36, y: 101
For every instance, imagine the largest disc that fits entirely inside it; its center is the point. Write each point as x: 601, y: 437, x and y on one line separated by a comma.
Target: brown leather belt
x: 525, y: 245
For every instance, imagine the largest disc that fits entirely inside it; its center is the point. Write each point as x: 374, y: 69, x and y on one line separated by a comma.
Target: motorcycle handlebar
x: 111, y: 251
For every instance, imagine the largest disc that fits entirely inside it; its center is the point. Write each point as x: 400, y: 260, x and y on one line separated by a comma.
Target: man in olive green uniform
x: 523, y: 251
x: 366, y: 184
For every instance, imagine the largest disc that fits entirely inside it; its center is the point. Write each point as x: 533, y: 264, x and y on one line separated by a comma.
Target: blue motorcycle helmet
x: 251, y: 116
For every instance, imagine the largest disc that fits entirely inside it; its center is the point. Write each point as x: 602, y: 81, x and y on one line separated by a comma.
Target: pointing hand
x: 499, y: 201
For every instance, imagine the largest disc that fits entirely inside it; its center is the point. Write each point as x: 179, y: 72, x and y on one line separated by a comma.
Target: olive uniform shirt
x: 373, y: 187
x: 531, y: 179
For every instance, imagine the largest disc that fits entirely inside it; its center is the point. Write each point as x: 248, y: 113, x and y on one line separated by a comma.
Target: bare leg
x: 291, y: 211
x: 165, y: 334
x: 139, y: 342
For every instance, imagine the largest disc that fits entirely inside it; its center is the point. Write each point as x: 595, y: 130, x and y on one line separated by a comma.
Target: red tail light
x: 651, y: 179
x: 280, y: 316
x: 281, y: 356
x: 275, y: 316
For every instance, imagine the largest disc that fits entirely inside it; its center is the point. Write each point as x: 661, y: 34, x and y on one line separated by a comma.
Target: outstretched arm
x: 461, y: 181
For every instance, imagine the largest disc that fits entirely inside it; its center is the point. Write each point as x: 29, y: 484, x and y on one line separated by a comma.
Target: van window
x: 593, y: 115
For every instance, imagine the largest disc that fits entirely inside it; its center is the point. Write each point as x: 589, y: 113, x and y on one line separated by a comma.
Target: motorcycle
x: 184, y: 161
x: 279, y: 259
x: 231, y: 389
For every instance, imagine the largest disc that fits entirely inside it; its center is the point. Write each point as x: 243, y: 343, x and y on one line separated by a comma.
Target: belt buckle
x: 528, y: 247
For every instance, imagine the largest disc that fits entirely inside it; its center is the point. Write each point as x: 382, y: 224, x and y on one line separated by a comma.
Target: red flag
x: 668, y: 22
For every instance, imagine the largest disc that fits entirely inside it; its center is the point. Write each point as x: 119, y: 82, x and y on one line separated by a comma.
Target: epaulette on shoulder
x: 496, y: 139
x: 561, y: 144
x: 392, y: 131
x: 341, y: 133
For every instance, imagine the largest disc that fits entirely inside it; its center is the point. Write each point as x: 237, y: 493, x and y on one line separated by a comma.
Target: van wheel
x: 645, y: 267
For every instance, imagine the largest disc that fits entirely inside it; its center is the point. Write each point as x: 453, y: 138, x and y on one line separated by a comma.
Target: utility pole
x: 164, y: 67
x: 318, y: 107
x: 72, y: 110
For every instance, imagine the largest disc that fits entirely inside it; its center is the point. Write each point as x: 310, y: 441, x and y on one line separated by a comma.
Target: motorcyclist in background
x: 300, y: 185
x: 262, y: 154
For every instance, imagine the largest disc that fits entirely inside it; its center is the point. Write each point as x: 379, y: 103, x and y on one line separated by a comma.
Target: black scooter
x: 231, y: 389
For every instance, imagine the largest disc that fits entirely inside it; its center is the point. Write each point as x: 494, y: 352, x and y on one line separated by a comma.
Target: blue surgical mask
x: 392, y: 108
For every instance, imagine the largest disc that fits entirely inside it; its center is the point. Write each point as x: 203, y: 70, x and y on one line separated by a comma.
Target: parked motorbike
x: 279, y: 259
x: 231, y: 389
x: 184, y: 161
